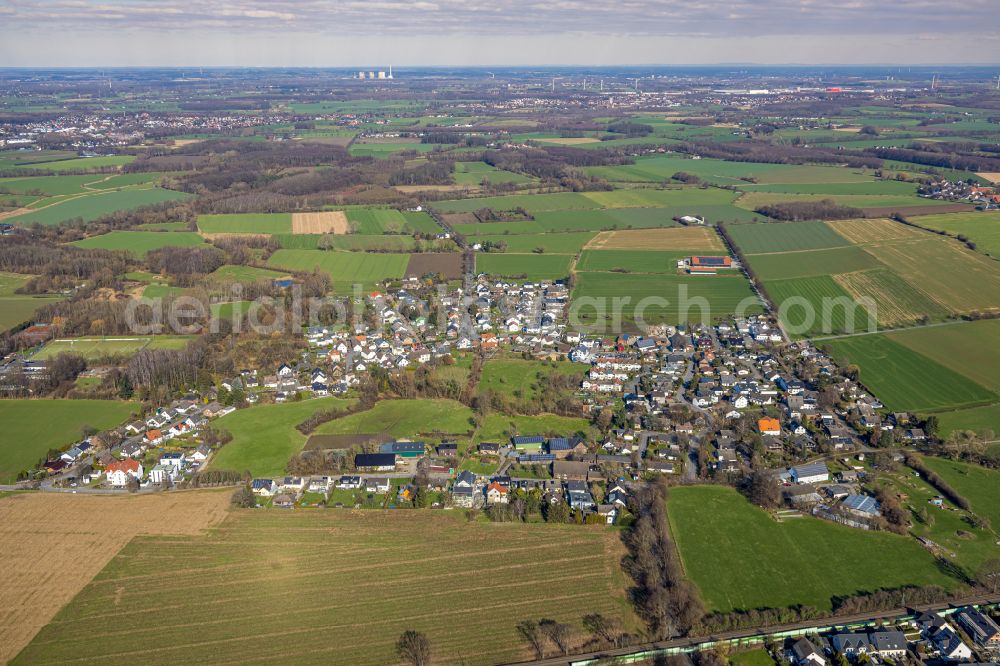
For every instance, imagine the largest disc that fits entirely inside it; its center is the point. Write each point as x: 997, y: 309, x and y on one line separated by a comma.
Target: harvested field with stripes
x: 55, y: 544
x: 338, y: 586
x: 873, y: 230
x: 327, y: 222
x: 701, y: 239
x: 896, y: 302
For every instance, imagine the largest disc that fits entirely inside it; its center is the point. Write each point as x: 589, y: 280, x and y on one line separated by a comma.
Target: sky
x: 375, y: 33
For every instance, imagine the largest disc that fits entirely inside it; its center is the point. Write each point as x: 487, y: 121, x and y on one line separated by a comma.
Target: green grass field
x: 566, y: 243
x: 524, y: 266
x: 825, y: 314
x: 977, y: 484
x: 15, y: 310
x: 245, y: 274
x: 501, y: 427
x: 344, y: 268
x: 80, y: 163
x: 983, y: 228
x: 341, y: 586
x: 93, y: 206
x: 774, y: 237
x: 754, y: 200
x: 741, y: 558
x: 660, y: 168
x: 258, y: 223
x: 420, y: 221
x: 808, y: 263
x: 10, y: 282
x: 99, y: 347
x: 906, y: 380
x: 520, y: 378
x: 720, y: 295
x: 405, y: 418
x: 32, y: 427
x: 969, y: 348
x: 632, y: 261
x: 138, y: 243
x: 473, y: 173
x: 264, y: 436
x: 374, y: 221
x: 976, y: 419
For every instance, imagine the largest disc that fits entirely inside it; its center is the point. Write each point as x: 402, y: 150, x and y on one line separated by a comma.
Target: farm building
x: 528, y: 443
x: 707, y: 265
x: 375, y: 462
x: 811, y: 473
x: 404, y: 449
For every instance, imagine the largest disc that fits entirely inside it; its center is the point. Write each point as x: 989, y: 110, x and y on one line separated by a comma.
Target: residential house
x: 119, y: 472
x: 263, y: 487
x: 570, y: 470
x: 496, y: 493
x: 377, y: 484
x: 981, y: 627
x: 805, y: 654
x: 811, y: 473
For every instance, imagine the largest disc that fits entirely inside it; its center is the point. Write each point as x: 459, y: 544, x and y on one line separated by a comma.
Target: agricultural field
x: 32, y: 427
x: 100, y: 347
x: 887, y: 202
x: 688, y: 239
x: 657, y: 299
x: 411, y: 419
x: 873, y: 230
x: 969, y: 348
x: 77, y: 535
x: 897, y: 303
x: 629, y: 261
x: 524, y: 266
x: 259, y: 223
x: 447, y: 264
x: 658, y: 168
x: 307, y: 563
x: 976, y: 419
x: 138, y: 243
x: 245, y: 274
x: 92, y: 206
x: 784, y: 237
x: 809, y: 263
x: 828, y: 312
x: 16, y: 309
x: 344, y: 268
x: 376, y: 221
x: 740, y: 557
x: 564, y: 243
x: 904, y: 379
x: 421, y: 222
x: 473, y: 173
x: 79, y: 163
x: 264, y: 436
x: 982, y: 228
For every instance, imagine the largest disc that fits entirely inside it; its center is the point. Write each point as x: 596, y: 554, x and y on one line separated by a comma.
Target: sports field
x: 93, y: 206
x: 32, y: 427
x: 411, y: 419
x: 344, y: 268
x: 138, y: 243
x: 98, y: 347
x: 784, y: 237
x: 264, y: 436
x: 524, y: 266
x: 258, y: 223
x: 741, y: 558
x: 313, y: 567
x: 906, y: 380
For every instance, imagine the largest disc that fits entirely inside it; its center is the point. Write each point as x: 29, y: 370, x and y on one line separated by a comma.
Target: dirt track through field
x: 328, y: 222
x: 54, y: 544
